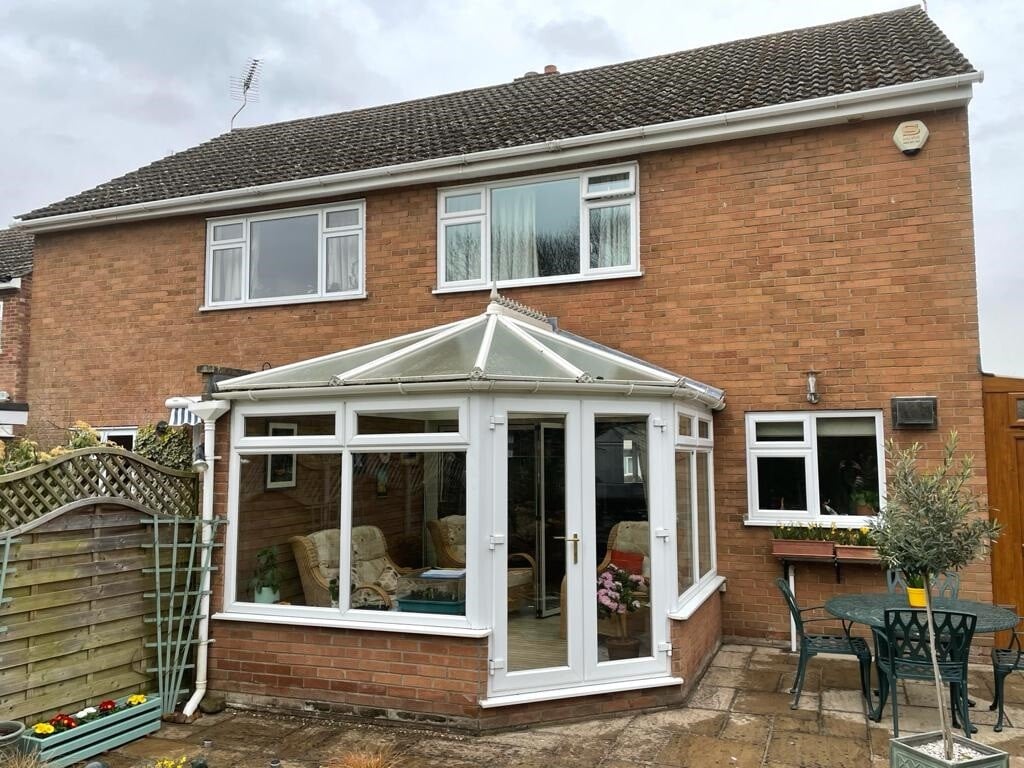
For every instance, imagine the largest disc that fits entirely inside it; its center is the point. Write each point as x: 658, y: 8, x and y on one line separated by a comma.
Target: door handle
x: 575, y: 539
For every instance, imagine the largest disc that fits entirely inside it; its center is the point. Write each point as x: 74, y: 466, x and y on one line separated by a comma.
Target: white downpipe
x: 209, y: 411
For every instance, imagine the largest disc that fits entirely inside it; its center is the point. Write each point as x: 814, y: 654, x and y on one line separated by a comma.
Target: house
x: 723, y: 278
x: 15, y: 293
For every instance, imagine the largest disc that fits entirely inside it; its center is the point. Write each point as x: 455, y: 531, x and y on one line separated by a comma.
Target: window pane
x: 227, y: 275
x: 781, y: 483
x: 685, y: 425
x: 609, y: 182
x: 282, y: 257
x: 288, y: 536
x: 462, y: 203
x: 779, y: 431
x: 347, y: 218
x: 342, y: 263
x: 704, y: 517
x: 405, y: 422
x: 535, y: 230
x: 703, y: 429
x: 1020, y: 409
x: 227, y: 232
x: 610, y: 236
x: 284, y: 426
x: 462, y: 251
x: 848, y: 466
x: 397, y: 499
x: 684, y: 520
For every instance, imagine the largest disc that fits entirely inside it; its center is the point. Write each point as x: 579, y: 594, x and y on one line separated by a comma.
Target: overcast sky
x: 91, y: 89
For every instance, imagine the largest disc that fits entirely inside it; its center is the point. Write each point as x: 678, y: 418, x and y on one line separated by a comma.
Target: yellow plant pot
x: 915, y: 597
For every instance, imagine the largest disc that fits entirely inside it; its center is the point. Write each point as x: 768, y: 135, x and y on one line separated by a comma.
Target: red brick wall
x: 762, y: 258
x: 14, y: 333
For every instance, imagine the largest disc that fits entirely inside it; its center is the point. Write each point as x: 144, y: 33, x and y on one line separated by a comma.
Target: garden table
x: 869, y: 608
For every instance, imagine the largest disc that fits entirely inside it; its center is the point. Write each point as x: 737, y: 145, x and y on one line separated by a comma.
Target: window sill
x: 368, y: 626
x: 827, y: 521
x: 512, y: 699
x: 501, y: 284
x: 693, y: 603
x: 281, y: 302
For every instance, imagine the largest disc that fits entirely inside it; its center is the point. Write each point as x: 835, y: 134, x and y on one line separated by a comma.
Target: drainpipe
x: 209, y: 411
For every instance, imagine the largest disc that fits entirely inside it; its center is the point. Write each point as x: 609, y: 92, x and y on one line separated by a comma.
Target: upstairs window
x: 539, y: 230
x: 286, y: 256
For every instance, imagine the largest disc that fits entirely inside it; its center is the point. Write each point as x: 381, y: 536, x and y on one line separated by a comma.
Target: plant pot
x: 853, y: 553
x: 622, y: 648
x: 803, y: 549
x: 916, y: 598
x: 904, y: 752
x: 266, y: 595
x: 10, y: 732
x: 89, y: 739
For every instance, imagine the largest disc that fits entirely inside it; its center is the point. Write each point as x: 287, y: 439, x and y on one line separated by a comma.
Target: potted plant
x: 933, y: 522
x: 864, y: 502
x: 810, y: 542
x: 619, y: 594
x: 266, y: 578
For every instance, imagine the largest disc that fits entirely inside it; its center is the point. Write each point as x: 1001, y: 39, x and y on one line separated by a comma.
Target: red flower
x: 105, y: 707
x: 62, y: 722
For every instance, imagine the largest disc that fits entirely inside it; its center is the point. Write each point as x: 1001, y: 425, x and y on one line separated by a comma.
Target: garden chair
x: 903, y: 652
x: 945, y: 584
x: 813, y: 644
x: 1004, y: 661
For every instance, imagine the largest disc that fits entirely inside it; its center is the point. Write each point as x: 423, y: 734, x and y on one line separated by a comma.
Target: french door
x: 572, y: 483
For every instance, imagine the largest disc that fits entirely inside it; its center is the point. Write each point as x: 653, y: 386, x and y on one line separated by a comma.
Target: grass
x: 18, y: 760
x: 381, y: 758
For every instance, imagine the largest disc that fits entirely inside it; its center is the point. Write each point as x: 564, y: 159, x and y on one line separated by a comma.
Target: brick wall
x: 762, y: 258
x: 14, y: 332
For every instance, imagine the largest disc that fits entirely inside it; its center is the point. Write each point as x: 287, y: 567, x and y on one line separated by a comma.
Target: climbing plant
x: 170, y: 446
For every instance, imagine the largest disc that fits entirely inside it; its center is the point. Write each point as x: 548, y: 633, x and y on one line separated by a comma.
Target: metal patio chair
x: 813, y: 644
x: 944, y: 584
x: 1004, y: 661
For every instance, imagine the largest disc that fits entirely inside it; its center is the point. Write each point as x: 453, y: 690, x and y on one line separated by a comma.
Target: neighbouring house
x: 15, y: 294
x: 423, y: 480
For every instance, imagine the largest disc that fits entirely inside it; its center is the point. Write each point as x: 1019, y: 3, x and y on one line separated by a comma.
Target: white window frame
x: 807, y: 450
x: 588, y: 201
x: 695, y: 594
x: 323, y: 235
x: 106, y: 433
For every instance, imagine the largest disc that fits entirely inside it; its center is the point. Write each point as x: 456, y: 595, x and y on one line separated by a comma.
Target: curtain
x: 609, y: 236
x: 343, y: 263
x: 514, y: 233
x: 227, y: 275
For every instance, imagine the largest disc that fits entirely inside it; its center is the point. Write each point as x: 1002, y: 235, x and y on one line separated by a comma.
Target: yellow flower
x: 166, y: 762
x: 136, y: 698
x: 865, y: 531
x: 43, y: 729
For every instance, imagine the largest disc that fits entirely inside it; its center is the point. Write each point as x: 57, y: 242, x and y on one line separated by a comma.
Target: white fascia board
x: 926, y: 95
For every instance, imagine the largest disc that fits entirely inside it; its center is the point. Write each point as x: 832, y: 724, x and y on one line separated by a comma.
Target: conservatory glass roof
x: 508, y: 343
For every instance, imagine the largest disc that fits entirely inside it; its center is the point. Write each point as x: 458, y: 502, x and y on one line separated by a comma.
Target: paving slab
x: 807, y: 750
x: 699, y: 751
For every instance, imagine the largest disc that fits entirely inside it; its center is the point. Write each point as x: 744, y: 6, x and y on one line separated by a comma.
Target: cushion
x: 520, y: 577
x: 453, y: 529
x: 633, y: 562
x: 633, y: 536
x: 327, y: 544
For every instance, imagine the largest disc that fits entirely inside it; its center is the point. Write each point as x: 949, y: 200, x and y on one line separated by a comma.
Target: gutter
x: 939, y: 93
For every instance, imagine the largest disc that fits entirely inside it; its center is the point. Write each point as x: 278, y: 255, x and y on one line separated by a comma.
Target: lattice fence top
x: 107, y: 474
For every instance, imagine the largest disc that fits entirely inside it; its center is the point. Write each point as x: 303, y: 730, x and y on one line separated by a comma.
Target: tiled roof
x: 884, y: 49
x: 15, y: 253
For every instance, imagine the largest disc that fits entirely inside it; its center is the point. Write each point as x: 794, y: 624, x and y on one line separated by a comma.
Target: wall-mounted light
x: 199, y: 462
x: 812, y: 387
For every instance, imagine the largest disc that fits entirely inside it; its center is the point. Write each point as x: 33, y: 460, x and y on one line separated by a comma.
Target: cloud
x: 585, y: 38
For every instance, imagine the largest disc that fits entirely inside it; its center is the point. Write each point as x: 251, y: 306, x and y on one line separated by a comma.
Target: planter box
x: 903, y: 753
x: 89, y: 739
x: 455, y: 607
x: 851, y: 553
x: 803, y: 549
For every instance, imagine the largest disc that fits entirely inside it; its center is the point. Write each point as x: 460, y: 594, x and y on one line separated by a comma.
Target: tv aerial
x: 246, y: 88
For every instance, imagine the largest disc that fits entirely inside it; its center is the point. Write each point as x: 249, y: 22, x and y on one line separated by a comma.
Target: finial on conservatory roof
x: 502, y: 305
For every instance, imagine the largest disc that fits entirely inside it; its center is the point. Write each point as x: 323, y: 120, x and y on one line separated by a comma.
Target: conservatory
x: 494, y: 478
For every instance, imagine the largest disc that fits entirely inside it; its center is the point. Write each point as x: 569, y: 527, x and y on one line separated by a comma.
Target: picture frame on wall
x: 281, y: 466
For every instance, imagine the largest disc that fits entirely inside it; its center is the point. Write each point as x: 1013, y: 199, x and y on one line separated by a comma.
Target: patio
x: 738, y: 717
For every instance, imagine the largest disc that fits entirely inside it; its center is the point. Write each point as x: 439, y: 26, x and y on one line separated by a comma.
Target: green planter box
x: 89, y: 739
x: 902, y: 753
x: 455, y: 607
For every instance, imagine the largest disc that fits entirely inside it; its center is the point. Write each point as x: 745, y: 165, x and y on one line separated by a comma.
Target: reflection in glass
x: 781, y: 483
x: 684, y: 520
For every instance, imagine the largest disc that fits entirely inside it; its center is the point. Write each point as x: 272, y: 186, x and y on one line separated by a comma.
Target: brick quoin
x: 762, y: 258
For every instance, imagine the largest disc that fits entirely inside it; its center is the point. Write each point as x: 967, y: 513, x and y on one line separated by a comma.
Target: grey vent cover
x: 915, y: 412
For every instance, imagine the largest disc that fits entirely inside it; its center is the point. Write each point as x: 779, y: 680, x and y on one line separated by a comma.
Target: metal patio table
x: 869, y: 608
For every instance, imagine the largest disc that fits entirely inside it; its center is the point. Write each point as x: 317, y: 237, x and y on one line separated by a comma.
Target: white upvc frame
x: 105, y: 433
x: 324, y: 233
x: 693, y: 444
x: 806, y: 449
x: 588, y: 201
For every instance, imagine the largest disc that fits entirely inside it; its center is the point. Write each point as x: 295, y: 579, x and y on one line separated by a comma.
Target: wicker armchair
x: 316, y: 557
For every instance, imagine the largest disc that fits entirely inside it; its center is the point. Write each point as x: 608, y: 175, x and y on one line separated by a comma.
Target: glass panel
x: 453, y: 357
x: 536, y: 527
x: 472, y: 201
x: 223, y: 232
x: 685, y: 428
x: 346, y: 218
x: 510, y: 355
x: 286, y: 426
x: 227, y: 275
x: 684, y: 520
x: 778, y: 431
x: 601, y: 367
x: 462, y: 251
x: 781, y: 483
x: 288, y: 538
x: 1020, y: 409
x: 623, y: 536
x: 703, y: 429
x: 704, y: 516
x: 535, y: 230
x: 406, y: 422
x: 408, y: 534
x: 608, y: 182
x: 847, y: 466
x: 610, y: 236
x: 282, y: 257
x: 343, y: 263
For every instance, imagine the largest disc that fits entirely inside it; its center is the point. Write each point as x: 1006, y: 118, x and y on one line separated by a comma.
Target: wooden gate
x: 1004, y: 451
x: 76, y: 583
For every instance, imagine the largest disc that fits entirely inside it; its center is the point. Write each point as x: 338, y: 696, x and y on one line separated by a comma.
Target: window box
x: 803, y: 549
x: 853, y: 553
x: 95, y: 736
